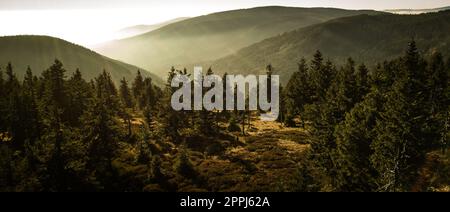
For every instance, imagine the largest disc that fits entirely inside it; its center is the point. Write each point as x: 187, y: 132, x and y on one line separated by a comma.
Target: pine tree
x: 137, y: 89
x: 127, y: 103
x: 206, y: 118
x: 354, y: 137
x: 102, y: 132
x: 438, y: 96
x: 362, y: 82
x: 149, y: 99
x: 57, y: 174
x: 345, y: 88
x: 125, y: 94
x: 172, y: 121
x: 54, y: 100
x: 54, y: 109
x: 79, y: 94
x: 319, y: 80
x: 107, y: 92
x: 325, y: 115
x: 13, y: 116
x: 297, y: 93
x: 31, y: 118
x: 401, y: 139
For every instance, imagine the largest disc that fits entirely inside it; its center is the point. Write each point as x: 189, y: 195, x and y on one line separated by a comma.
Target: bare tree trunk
x: 129, y: 126
x: 243, y: 123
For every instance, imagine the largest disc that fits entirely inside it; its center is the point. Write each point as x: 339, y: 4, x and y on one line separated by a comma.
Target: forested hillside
x: 367, y: 39
x: 210, y: 37
x: 342, y: 128
x: 39, y: 52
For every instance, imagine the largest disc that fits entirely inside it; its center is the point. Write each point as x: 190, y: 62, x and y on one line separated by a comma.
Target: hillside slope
x: 39, y: 52
x: 141, y: 29
x: 216, y: 35
x: 365, y: 38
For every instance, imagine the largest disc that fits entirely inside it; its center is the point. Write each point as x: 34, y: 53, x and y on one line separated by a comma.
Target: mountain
x: 365, y: 38
x: 416, y: 11
x: 216, y: 35
x: 141, y: 29
x: 39, y: 52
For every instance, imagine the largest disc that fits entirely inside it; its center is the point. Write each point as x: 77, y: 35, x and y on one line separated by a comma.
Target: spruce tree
x: 438, y: 96
x: 31, y: 118
x: 354, y: 137
x: 125, y: 94
x: 326, y: 114
x: 54, y: 100
x: 172, y: 121
x: 127, y: 103
x: 321, y: 74
x: 107, y: 92
x: 206, y: 119
x: 137, y: 89
x: 102, y: 132
x: 362, y: 82
x: 401, y: 138
x: 297, y: 93
x: 14, y: 117
x: 149, y: 100
x: 79, y: 94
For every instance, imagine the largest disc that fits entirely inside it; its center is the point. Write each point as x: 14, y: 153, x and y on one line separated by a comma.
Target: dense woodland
x: 366, y: 130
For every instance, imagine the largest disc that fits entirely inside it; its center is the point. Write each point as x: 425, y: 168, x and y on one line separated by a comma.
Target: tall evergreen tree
x: 31, y: 119
x: 297, y: 93
x: 79, y: 94
x: 401, y: 130
x: 325, y: 115
x: 102, y: 132
x: 125, y: 94
x: 54, y: 100
x: 137, y: 89
x: 362, y: 82
x: 321, y: 75
x: 172, y: 121
x: 206, y: 119
x: 354, y: 137
x: 107, y: 92
x: 438, y: 95
x: 14, y: 108
x: 148, y: 97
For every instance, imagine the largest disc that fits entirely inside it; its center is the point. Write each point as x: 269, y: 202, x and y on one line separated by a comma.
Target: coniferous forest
x: 349, y: 127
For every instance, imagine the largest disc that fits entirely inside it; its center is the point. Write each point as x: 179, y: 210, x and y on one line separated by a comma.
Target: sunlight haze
x: 92, y: 22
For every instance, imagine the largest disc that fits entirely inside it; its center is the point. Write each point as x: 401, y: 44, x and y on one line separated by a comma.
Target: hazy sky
x: 88, y: 22
x: 95, y: 4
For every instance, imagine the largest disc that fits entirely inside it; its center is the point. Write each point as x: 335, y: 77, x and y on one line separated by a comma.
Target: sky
x: 90, y: 22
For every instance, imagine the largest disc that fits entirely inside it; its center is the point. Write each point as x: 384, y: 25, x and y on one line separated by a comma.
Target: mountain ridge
x: 39, y: 52
x: 136, y: 30
x: 365, y: 38
x: 212, y: 36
